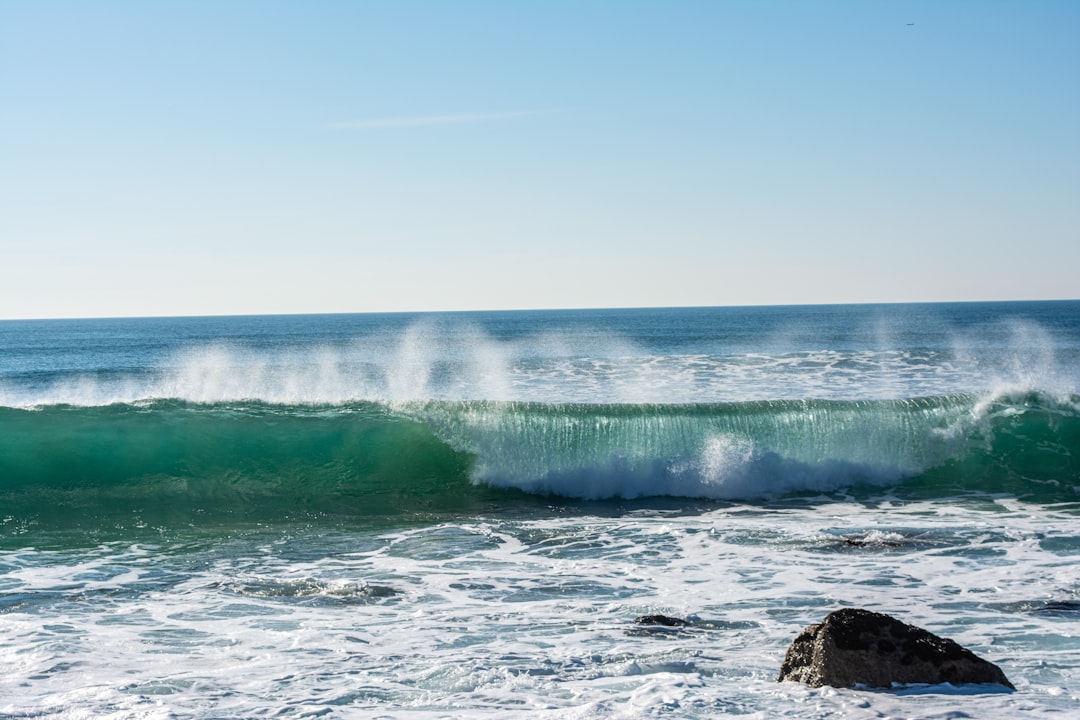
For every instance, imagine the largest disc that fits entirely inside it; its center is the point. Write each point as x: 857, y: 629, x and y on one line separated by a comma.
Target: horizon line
x: 533, y: 309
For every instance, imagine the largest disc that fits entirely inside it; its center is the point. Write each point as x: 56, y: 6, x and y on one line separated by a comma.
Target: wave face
x: 176, y: 461
x: 244, y: 460
x: 751, y: 450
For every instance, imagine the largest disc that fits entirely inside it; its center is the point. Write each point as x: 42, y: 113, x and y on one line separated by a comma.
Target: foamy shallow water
x: 500, y: 617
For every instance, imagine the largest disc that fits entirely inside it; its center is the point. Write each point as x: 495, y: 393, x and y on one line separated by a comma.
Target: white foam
x: 516, y: 615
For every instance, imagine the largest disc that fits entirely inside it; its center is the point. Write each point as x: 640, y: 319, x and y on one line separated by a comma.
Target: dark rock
x: 869, y: 541
x: 661, y: 620
x: 859, y: 647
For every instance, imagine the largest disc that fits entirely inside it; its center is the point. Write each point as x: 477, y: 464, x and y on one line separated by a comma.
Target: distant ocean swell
x: 250, y: 459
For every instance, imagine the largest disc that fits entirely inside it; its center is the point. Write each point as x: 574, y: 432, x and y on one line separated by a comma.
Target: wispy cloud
x: 426, y: 120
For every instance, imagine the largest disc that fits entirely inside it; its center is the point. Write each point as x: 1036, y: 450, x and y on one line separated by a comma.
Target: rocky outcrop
x: 858, y: 647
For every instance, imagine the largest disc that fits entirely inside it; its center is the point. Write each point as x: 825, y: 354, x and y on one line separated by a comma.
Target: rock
x: 663, y: 620
x: 859, y: 647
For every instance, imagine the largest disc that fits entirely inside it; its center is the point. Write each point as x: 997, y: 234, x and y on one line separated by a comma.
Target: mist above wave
x: 430, y: 360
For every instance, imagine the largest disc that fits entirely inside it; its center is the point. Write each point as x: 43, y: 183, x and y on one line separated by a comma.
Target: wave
x: 181, y: 460
x: 1022, y: 443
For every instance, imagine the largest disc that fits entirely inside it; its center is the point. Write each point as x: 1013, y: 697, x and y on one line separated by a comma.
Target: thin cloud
x: 427, y: 120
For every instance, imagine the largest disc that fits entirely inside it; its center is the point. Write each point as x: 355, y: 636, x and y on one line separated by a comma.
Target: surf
x: 181, y: 462
x: 1025, y: 445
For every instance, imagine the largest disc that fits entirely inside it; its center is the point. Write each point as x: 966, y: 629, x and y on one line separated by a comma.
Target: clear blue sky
x: 219, y: 157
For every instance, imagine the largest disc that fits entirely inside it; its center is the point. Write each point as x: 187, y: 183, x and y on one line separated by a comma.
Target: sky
x: 286, y: 156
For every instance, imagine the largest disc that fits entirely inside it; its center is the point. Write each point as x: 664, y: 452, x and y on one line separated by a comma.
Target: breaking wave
x: 180, y: 461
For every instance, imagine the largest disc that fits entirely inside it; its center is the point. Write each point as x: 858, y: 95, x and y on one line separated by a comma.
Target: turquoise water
x: 462, y: 514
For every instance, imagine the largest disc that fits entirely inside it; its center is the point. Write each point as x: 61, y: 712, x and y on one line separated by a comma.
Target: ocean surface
x: 463, y: 514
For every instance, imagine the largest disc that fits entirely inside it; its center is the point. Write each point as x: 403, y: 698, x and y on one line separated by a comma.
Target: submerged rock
x: 876, y: 539
x: 662, y: 620
x: 658, y: 626
x: 859, y: 647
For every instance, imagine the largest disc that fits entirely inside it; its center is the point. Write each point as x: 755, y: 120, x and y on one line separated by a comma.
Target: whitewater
x: 462, y: 514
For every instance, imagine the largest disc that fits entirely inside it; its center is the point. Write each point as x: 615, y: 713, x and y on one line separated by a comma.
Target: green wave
x: 172, y: 460
x: 177, y: 462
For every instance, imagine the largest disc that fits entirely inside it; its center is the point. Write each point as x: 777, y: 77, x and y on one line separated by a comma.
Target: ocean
x: 462, y: 514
